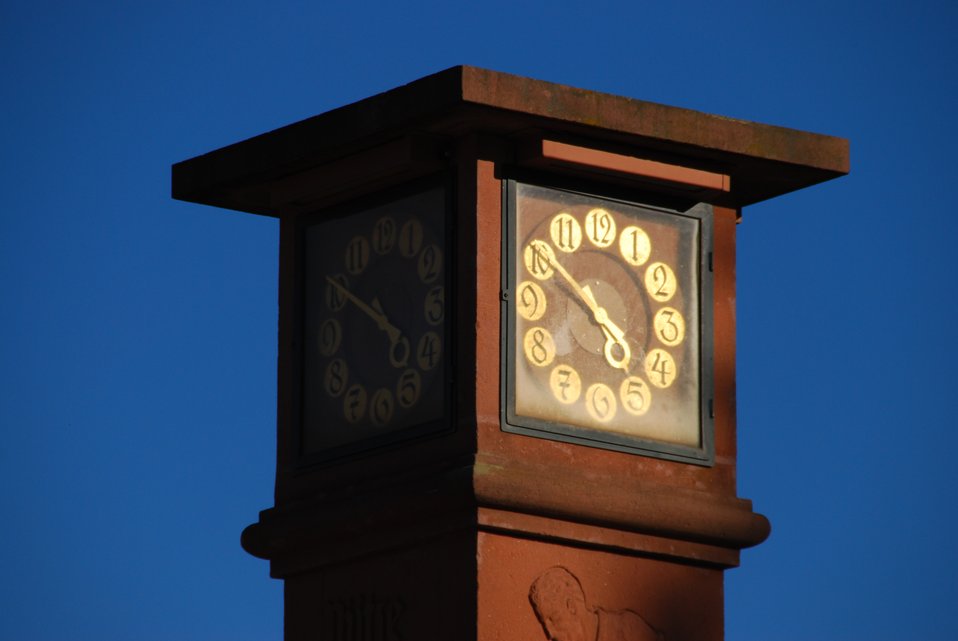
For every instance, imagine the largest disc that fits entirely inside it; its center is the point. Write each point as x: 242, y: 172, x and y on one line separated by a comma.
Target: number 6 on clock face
x: 607, y: 322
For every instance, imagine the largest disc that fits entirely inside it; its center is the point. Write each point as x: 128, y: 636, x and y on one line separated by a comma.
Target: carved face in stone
x: 559, y: 603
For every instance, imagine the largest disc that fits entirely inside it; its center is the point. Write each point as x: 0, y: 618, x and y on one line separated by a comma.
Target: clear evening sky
x: 137, y: 365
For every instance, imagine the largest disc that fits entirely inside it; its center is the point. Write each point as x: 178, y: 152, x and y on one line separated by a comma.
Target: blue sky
x: 137, y: 366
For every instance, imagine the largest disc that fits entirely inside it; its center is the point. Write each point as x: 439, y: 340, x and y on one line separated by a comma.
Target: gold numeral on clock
x: 410, y: 238
x: 538, y: 258
x: 430, y: 263
x: 354, y: 403
x: 669, y: 326
x: 335, y: 298
x: 330, y: 335
x: 408, y: 388
x: 636, y: 395
x: 384, y: 235
x: 600, y: 227
x: 565, y: 384
x: 660, y: 282
x: 539, y: 347
x: 381, y: 407
x: 434, y: 307
x: 429, y: 351
x: 660, y: 368
x: 532, y: 300
x: 357, y: 255
x: 634, y: 245
x: 566, y: 232
x: 600, y: 402
x: 336, y: 377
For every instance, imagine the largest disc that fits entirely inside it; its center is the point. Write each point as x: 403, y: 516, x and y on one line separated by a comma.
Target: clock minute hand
x: 380, y: 318
x: 613, y: 334
x: 398, y: 344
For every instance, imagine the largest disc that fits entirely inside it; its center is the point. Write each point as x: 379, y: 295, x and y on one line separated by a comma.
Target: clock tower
x: 506, y: 362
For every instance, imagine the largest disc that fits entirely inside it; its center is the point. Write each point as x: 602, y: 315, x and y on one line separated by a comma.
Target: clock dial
x: 375, y: 348
x: 605, y: 318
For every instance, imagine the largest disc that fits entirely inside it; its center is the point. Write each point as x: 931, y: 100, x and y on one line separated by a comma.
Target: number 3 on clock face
x: 608, y: 322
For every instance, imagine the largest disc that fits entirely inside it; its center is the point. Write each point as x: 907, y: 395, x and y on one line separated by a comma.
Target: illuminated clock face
x: 375, y: 351
x: 605, y: 316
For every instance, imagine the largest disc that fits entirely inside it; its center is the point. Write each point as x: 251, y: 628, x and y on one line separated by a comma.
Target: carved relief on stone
x: 559, y: 602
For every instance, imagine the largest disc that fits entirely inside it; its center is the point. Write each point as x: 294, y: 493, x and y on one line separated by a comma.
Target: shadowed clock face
x: 375, y: 349
x: 604, y: 318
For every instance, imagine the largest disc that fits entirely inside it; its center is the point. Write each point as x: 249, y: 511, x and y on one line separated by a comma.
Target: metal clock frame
x: 391, y: 439
x: 529, y: 426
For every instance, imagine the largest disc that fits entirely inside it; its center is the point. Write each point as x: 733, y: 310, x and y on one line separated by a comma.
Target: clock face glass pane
x: 604, y: 318
x: 375, y: 352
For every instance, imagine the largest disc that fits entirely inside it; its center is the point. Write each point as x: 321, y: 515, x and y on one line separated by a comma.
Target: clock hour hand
x: 398, y: 344
x: 614, y: 336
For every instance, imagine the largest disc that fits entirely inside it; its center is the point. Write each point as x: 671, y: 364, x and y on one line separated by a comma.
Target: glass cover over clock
x: 605, y: 307
x: 375, y: 352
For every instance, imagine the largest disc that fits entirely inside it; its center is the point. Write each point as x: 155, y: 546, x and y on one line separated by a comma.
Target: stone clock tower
x: 506, y: 358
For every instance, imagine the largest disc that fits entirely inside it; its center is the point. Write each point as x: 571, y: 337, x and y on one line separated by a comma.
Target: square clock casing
x: 607, y: 308
x: 375, y: 347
